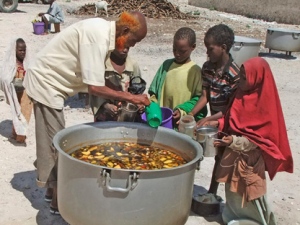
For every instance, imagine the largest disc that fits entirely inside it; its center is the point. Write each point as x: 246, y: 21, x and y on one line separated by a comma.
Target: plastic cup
x: 153, y: 114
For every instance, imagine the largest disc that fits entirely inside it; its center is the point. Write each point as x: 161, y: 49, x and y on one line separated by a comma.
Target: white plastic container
x: 187, y: 125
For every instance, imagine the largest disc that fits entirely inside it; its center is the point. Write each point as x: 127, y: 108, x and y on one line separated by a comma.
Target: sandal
x: 48, y: 198
x: 45, y: 33
x: 48, y: 195
x: 54, y: 211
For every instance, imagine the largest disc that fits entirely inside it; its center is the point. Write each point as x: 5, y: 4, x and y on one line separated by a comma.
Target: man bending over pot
x: 72, y: 62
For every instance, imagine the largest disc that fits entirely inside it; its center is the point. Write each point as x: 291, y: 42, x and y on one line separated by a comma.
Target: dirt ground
x: 275, y: 10
x: 21, y: 201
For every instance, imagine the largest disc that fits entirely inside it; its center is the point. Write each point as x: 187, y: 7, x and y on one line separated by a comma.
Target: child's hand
x: 176, y: 115
x: 111, y: 109
x: 225, y: 141
x: 203, y: 122
x: 141, y: 109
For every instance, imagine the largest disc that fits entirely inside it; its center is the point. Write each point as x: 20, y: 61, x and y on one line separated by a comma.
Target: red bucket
x: 38, y: 28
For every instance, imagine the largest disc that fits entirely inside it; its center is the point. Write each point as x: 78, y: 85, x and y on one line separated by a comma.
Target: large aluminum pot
x: 96, y: 195
x: 244, y: 48
x: 283, y: 40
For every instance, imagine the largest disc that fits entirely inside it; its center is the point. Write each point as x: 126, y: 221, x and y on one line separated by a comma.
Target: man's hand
x: 140, y: 100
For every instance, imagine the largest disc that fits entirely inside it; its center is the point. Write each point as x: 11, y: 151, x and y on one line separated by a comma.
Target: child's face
x: 120, y: 55
x: 182, y: 50
x: 243, y: 85
x: 213, y: 51
x: 21, y: 51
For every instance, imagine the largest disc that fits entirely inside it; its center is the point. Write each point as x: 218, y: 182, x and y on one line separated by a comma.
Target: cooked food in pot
x: 126, y: 155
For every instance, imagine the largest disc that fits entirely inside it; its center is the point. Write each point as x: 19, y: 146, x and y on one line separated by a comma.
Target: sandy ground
x: 21, y: 201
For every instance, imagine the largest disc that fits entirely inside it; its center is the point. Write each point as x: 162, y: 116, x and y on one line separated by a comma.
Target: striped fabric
x: 220, y: 84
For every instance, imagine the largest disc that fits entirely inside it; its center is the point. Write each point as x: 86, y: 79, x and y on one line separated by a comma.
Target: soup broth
x: 127, y: 155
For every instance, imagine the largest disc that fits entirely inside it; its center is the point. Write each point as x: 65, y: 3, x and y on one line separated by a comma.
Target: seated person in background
x: 120, y: 69
x: 178, y: 82
x: 11, y: 77
x: 53, y: 15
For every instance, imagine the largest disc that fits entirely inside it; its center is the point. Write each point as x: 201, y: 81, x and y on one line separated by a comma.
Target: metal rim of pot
x: 57, y: 138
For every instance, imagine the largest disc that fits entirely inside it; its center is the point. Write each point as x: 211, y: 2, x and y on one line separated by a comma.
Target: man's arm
x: 108, y: 93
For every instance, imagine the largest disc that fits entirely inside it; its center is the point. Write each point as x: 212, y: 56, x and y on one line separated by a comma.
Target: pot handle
x: 203, y: 140
x: 237, y: 48
x: 198, y: 163
x: 296, y: 35
x: 131, y: 182
x: 223, y: 133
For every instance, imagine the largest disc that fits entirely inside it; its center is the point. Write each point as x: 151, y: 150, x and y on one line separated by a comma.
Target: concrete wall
x: 281, y: 11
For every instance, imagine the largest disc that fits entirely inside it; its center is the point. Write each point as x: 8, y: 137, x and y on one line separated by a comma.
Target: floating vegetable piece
x: 93, y: 148
x: 99, y: 157
x: 168, y: 161
x: 86, y: 153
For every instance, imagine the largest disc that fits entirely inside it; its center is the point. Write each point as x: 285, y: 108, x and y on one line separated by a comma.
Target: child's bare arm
x: 205, y: 121
x: 200, y: 104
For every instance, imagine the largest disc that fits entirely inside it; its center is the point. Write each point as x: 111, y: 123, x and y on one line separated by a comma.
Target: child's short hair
x: 186, y: 33
x: 221, y: 34
x: 20, y: 40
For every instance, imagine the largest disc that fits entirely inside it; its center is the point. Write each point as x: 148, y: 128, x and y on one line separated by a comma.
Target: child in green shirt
x: 178, y: 82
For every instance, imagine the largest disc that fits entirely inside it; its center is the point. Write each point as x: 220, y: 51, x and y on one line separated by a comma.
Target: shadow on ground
x: 6, y: 132
x: 6, y: 128
x: 25, y: 183
x: 277, y: 55
x: 212, y: 218
x: 19, y: 11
